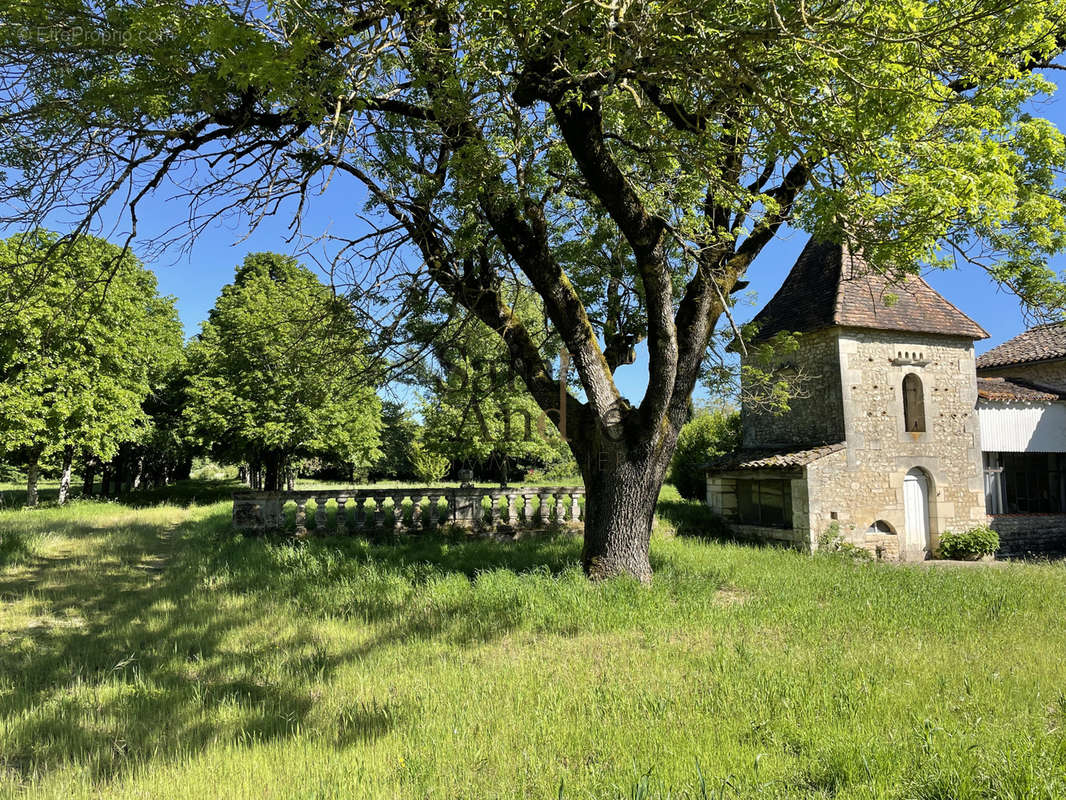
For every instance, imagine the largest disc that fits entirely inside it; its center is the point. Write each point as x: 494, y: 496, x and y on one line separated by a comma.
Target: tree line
x: 96, y: 378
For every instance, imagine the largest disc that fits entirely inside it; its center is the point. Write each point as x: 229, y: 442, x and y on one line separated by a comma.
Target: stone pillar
x: 434, y: 508
x: 342, y: 516
x: 272, y: 511
x: 416, y: 513
x: 301, y: 516
x: 545, y: 508
x: 320, y: 514
x: 249, y: 514
x: 467, y: 509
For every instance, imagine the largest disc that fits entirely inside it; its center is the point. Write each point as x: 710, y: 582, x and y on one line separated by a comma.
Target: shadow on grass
x: 119, y: 664
x: 182, y: 493
x: 165, y: 641
x: 694, y: 519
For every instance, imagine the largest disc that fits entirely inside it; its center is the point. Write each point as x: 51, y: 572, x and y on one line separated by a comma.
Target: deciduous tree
x: 628, y: 161
x: 78, y: 351
x: 279, y: 371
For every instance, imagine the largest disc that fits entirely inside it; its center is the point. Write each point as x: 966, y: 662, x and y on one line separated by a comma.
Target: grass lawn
x: 149, y: 652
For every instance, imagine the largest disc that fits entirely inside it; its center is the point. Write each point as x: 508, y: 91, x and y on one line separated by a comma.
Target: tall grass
x: 150, y: 652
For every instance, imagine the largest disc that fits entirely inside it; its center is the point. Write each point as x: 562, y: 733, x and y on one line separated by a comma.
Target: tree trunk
x: 64, y: 481
x: 621, y: 491
x: 137, y: 473
x: 272, y: 473
x: 183, y: 470
x: 89, y: 478
x: 105, y: 481
x: 242, y: 475
x: 33, y: 472
x: 290, y: 478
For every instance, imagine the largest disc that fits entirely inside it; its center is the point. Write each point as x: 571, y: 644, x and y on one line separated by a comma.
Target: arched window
x: 913, y: 404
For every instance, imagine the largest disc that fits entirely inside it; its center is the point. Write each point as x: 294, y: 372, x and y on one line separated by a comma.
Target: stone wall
x: 772, y: 536
x: 864, y: 483
x: 859, y: 399
x: 721, y: 498
x: 815, y: 413
x: 1046, y: 373
x: 1022, y: 535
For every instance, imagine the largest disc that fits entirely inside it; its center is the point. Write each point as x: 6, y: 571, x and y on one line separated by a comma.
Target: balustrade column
x: 397, y: 513
x: 560, y: 511
x: 301, y: 516
x: 545, y: 508
x: 575, y: 509
x: 320, y: 514
x: 379, y: 511
x: 416, y: 512
x: 360, y: 513
x: 493, y: 498
x: 512, y: 509
x: 527, y: 510
x: 342, y: 516
x: 434, y: 509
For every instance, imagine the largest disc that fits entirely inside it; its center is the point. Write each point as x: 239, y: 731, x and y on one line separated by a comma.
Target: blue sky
x: 196, y: 275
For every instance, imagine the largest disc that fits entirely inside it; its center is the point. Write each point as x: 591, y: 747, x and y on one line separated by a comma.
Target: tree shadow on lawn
x: 157, y: 646
x: 694, y: 519
x: 448, y: 586
x: 129, y: 663
x: 182, y: 493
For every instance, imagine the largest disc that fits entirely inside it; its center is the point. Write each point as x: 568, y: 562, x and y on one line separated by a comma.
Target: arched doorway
x: 916, y: 486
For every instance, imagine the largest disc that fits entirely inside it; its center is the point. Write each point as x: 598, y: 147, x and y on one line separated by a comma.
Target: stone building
x: 881, y: 442
x: 1022, y: 411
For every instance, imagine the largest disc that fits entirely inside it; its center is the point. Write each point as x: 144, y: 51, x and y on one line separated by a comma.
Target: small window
x: 880, y: 526
x: 913, y: 404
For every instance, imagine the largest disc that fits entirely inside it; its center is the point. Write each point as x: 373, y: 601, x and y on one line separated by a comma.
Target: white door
x: 916, y: 513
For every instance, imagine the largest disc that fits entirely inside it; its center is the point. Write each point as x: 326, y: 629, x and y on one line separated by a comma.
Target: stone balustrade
x: 340, y: 511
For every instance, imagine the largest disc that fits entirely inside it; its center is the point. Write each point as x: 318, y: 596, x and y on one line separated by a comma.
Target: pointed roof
x: 1042, y: 343
x: 830, y: 285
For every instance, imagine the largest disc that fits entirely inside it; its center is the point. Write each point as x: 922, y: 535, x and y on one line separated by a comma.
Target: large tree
x: 279, y: 371
x: 628, y: 161
x: 80, y: 350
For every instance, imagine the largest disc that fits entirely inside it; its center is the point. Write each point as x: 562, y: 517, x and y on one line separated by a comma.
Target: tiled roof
x: 770, y: 458
x: 1016, y: 390
x: 1036, y: 344
x: 832, y: 285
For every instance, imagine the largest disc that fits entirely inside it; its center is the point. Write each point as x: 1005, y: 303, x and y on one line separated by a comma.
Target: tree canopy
x: 80, y: 351
x: 278, y: 371
x: 627, y: 161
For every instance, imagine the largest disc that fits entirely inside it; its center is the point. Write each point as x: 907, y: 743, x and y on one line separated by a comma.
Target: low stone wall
x: 764, y: 534
x: 1023, y: 535
x: 420, y: 509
